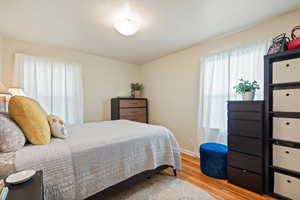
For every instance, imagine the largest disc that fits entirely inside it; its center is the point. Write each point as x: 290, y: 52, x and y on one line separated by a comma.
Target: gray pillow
x: 11, y: 136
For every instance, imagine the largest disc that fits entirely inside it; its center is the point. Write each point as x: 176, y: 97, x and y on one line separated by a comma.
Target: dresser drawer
x: 286, y: 157
x: 132, y: 103
x: 244, y: 161
x: 132, y: 111
x: 287, y: 186
x: 134, y: 114
x: 245, y: 179
x: 250, y: 146
x: 246, y: 106
x: 245, y: 128
x: 286, y: 71
x: 286, y: 100
x: 286, y: 129
x: 136, y: 118
x: 246, y: 115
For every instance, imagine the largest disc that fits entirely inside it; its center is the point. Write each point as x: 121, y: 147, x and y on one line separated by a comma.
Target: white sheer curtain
x: 219, y: 73
x: 56, y: 85
x: 214, y: 94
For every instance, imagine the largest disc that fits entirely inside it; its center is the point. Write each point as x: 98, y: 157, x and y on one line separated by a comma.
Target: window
x: 56, y: 85
x: 219, y: 73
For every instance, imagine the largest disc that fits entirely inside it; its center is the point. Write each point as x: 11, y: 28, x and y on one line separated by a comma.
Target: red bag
x: 295, y: 43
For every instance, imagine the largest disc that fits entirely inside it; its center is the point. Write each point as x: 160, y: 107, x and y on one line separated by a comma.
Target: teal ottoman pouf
x: 213, y: 160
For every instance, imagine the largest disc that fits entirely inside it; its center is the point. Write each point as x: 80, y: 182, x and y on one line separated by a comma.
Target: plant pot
x: 248, y: 96
x: 137, y: 94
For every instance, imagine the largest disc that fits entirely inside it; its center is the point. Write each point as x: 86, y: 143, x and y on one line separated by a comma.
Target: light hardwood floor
x: 220, y: 189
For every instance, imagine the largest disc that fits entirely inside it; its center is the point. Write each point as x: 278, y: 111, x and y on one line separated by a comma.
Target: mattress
x: 95, y: 157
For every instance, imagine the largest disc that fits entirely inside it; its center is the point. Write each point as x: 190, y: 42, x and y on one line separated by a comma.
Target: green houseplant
x: 246, y: 89
x: 136, y: 89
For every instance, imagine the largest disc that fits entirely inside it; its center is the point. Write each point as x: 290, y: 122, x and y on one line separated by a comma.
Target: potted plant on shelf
x: 136, y: 90
x: 246, y: 89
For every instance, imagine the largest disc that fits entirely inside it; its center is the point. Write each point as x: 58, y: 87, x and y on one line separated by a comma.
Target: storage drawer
x: 286, y: 100
x: 244, y: 161
x: 287, y: 186
x: 286, y: 71
x: 250, y: 146
x: 134, y: 114
x: 246, y: 115
x: 132, y: 111
x: 245, y: 179
x: 245, y: 128
x: 132, y: 103
x: 286, y: 157
x: 286, y: 129
x: 137, y: 118
x: 251, y: 106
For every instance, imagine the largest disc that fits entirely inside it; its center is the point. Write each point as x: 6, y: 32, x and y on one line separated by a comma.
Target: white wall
x: 172, y: 82
x: 1, y: 55
x: 103, y: 78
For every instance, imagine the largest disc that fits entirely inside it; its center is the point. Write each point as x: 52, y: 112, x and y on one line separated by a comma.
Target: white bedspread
x: 99, y: 155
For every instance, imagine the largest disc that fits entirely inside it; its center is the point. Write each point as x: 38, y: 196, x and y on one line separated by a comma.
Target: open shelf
x: 285, y: 143
x: 285, y: 171
x: 285, y: 85
x: 283, y: 55
x: 285, y: 114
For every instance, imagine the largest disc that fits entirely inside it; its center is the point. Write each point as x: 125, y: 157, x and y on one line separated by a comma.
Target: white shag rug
x: 162, y: 187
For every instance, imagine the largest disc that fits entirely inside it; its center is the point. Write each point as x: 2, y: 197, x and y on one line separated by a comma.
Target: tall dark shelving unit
x: 269, y: 141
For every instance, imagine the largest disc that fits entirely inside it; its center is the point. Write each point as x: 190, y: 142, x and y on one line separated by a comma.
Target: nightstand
x: 29, y: 190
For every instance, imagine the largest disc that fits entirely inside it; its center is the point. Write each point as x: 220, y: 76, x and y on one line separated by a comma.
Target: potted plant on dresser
x: 246, y: 89
x: 136, y: 90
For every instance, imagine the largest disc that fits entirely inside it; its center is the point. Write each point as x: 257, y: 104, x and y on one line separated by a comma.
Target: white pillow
x: 57, y: 126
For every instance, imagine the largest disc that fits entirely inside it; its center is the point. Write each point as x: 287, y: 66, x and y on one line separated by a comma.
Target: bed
x: 95, y: 157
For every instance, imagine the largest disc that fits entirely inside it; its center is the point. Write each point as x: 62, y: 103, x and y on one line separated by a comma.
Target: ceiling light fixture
x: 127, y: 23
x: 127, y: 26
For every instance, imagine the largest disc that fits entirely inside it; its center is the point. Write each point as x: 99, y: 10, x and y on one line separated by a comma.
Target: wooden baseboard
x: 188, y: 152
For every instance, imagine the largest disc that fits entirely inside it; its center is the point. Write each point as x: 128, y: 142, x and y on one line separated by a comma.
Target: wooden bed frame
x: 130, y: 181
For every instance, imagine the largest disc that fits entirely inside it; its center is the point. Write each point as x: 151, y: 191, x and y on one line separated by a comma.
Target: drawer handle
x: 287, y: 94
x: 289, y: 181
x: 287, y: 152
x: 287, y: 65
x: 134, y: 103
x: 287, y: 123
x: 244, y: 171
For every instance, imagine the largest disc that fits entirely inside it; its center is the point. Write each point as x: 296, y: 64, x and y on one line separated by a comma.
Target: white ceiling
x: 167, y: 25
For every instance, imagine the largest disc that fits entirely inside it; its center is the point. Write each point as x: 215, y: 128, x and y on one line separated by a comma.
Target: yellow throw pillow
x: 31, y: 118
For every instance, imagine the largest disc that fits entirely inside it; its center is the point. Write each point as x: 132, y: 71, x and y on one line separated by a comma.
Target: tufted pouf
x: 213, y: 160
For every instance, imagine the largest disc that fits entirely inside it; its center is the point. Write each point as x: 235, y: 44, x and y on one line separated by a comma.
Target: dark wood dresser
x: 282, y: 117
x: 245, y: 144
x: 135, y: 109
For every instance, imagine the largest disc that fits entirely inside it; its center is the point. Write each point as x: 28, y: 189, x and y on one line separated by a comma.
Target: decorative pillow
x: 57, y: 126
x: 11, y: 136
x: 31, y: 118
